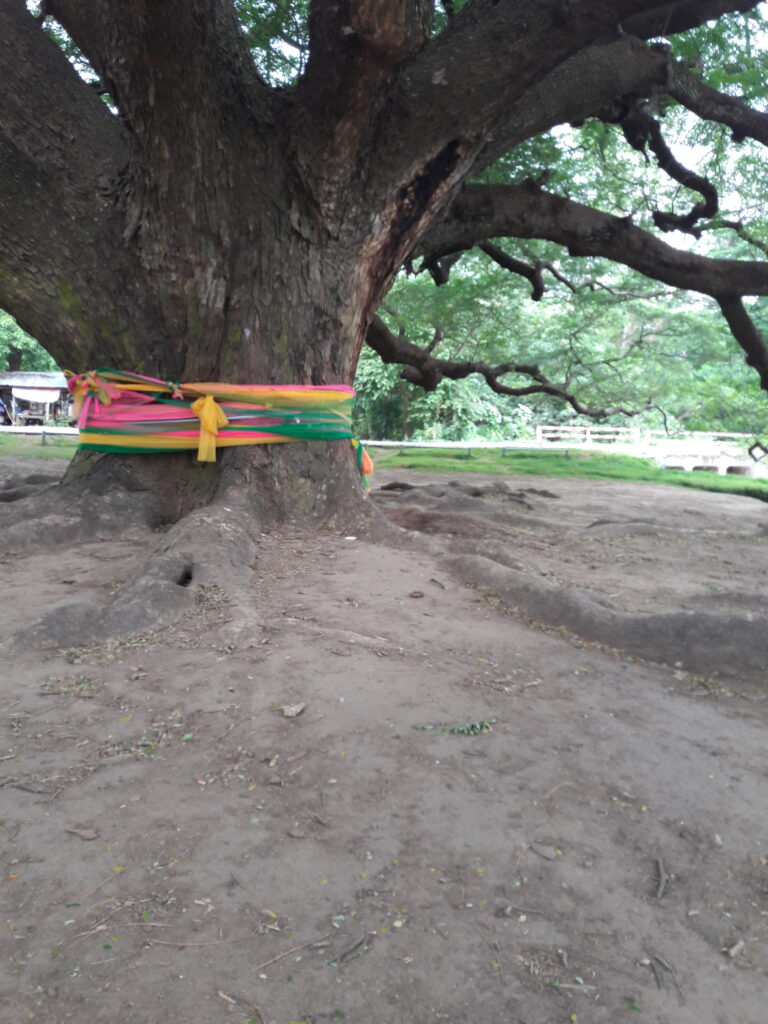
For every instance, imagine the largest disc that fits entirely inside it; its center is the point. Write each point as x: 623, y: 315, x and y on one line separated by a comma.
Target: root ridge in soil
x: 551, y: 563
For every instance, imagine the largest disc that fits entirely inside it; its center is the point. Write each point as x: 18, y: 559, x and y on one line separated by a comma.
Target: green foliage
x: 389, y: 407
x: 614, y: 339
x: 729, y: 54
x: 278, y: 37
x: 18, y: 347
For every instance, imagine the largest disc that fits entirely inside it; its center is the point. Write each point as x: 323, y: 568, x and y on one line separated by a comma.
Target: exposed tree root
x: 193, y: 526
x: 482, y: 537
x: 212, y: 546
x: 492, y: 536
x: 703, y: 642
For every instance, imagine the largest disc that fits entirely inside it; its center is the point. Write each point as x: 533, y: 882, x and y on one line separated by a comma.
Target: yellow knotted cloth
x: 212, y: 419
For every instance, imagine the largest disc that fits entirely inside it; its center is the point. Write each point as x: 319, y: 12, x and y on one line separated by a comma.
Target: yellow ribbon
x: 212, y: 418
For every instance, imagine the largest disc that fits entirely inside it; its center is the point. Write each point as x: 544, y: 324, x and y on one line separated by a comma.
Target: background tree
x: 173, y: 202
x: 20, y: 352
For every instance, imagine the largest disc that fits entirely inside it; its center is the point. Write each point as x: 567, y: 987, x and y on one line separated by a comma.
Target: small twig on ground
x: 506, y: 911
x: 100, y: 925
x: 656, y: 975
x: 554, y: 789
x: 500, y: 962
x: 176, y: 859
x: 145, y: 924
x: 348, y: 953
x: 99, y: 886
x: 234, y: 1000
x: 293, y: 949
x: 663, y: 878
x: 673, y: 972
x: 216, y: 942
x: 495, y: 950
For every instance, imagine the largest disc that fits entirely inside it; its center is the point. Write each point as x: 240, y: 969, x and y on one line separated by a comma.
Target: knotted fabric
x: 126, y: 412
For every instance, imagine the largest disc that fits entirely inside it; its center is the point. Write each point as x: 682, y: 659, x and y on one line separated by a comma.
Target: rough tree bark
x: 202, y: 225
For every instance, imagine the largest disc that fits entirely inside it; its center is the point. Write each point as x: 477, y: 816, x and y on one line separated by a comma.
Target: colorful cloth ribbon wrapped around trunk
x: 127, y: 412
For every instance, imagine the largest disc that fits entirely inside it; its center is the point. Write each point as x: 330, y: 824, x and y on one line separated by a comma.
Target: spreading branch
x: 165, y: 61
x: 495, y: 211
x: 746, y: 334
x: 619, y: 66
x: 711, y: 105
x: 426, y: 371
x: 531, y: 272
x: 640, y: 130
x: 681, y: 16
x: 739, y: 229
x: 525, y: 211
x: 433, y: 97
x: 60, y: 160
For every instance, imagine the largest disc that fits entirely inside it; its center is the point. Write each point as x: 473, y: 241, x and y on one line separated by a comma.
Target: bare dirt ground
x: 475, y: 815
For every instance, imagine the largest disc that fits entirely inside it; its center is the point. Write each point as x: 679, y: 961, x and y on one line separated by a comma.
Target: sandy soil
x: 473, y: 817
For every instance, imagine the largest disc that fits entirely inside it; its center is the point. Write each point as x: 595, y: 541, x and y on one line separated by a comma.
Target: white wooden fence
x: 722, y: 453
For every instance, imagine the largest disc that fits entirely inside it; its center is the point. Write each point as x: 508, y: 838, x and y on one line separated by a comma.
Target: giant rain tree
x: 173, y: 203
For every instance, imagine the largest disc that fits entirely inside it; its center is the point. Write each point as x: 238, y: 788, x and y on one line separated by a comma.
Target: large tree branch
x: 595, y: 77
x: 712, y: 105
x: 552, y: 80
x: 165, y: 61
x: 532, y: 272
x: 61, y: 151
x: 50, y: 113
x: 456, y: 87
x: 681, y: 16
x: 525, y: 211
x: 426, y: 371
x: 577, y: 89
x: 186, y: 88
x: 354, y: 49
x: 63, y: 272
x: 455, y: 98
x: 494, y: 211
x: 642, y: 130
x: 747, y: 335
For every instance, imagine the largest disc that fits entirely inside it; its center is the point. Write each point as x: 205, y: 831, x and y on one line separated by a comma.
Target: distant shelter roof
x: 24, y: 379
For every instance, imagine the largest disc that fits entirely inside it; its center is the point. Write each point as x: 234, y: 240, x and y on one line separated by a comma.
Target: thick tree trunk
x: 277, y: 297
x: 309, y: 482
x: 204, y: 226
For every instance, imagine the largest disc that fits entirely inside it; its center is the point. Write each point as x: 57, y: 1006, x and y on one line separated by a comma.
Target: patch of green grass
x: 586, y: 464
x: 30, y: 446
